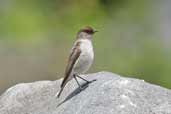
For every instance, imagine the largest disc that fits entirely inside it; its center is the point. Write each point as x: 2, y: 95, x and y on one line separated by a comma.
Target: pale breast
x: 86, y: 58
x: 87, y: 49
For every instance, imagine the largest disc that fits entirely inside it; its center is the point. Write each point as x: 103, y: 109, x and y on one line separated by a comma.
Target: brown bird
x: 80, y: 58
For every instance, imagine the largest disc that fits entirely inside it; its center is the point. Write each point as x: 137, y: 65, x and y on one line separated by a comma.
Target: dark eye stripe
x: 90, y: 31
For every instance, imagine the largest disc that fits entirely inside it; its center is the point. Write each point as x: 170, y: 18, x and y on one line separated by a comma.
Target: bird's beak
x: 96, y: 31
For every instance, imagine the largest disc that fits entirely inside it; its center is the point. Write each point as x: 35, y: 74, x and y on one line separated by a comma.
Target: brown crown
x: 88, y: 30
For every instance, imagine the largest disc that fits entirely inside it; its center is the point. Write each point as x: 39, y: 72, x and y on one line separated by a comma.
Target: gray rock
x: 109, y: 94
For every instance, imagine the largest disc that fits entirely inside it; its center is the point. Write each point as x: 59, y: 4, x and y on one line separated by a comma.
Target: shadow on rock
x: 75, y: 92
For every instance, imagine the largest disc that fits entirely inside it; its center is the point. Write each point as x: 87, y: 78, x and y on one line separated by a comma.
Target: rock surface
x: 109, y: 94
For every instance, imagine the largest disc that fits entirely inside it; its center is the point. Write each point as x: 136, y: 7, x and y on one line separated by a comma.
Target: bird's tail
x: 64, y: 82
x: 59, y: 93
x: 62, y: 87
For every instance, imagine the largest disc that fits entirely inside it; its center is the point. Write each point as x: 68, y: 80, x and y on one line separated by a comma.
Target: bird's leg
x: 77, y: 82
x: 83, y: 79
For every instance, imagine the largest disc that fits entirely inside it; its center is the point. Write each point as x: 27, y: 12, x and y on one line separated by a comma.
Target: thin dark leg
x: 83, y: 79
x: 77, y: 82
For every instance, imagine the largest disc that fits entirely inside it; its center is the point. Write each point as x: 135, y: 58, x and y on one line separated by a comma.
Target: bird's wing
x: 75, y: 53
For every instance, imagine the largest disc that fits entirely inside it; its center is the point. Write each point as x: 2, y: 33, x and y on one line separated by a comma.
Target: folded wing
x: 75, y: 53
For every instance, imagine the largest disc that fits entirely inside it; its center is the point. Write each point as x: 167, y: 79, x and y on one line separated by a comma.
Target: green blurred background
x: 134, y: 38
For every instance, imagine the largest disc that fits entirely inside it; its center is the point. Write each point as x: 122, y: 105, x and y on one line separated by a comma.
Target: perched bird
x: 80, y: 58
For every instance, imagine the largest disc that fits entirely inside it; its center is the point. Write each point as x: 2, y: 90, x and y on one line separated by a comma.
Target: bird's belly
x: 84, y: 62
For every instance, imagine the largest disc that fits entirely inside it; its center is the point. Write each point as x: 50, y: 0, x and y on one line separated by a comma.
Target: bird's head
x: 86, y: 32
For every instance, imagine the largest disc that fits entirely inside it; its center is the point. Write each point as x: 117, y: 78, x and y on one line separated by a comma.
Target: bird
x: 80, y: 58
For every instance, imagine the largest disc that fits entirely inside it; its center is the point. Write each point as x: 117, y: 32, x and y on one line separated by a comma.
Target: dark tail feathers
x: 60, y: 92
